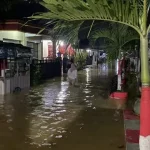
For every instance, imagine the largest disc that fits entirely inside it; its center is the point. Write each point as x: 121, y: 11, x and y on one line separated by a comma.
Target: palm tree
x: 69, y: 32
x: 61, y: 30
x: 133, y: 13
x: 118, y: 35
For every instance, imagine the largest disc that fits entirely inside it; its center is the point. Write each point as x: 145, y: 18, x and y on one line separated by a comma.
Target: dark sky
x: 25, y: 8
x: 21, y: 10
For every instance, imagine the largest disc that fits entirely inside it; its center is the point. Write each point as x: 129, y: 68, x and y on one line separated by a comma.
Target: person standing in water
x: 65, y: 63
x: 69, y: 64
x: 72, y: 74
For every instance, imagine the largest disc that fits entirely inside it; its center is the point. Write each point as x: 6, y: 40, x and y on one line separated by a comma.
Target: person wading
x: 72, y: 74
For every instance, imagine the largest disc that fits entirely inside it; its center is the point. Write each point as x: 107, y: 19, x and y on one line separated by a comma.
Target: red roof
x: 21, y: 26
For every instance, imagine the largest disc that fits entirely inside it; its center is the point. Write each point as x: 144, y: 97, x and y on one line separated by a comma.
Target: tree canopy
x: 129, y: 12
x: 117, y: 37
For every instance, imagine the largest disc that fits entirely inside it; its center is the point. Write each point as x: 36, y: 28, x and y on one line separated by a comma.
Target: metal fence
x: 41, y: 70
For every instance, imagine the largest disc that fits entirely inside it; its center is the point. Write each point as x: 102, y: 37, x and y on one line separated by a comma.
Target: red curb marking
x: 145, y: 112
x: 129, y: 115
x: 132, y: 136
x: 119, y: 95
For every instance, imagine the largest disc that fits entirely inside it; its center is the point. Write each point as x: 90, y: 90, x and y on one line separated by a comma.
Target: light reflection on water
x: 54, y: 119
x: 46, y: 116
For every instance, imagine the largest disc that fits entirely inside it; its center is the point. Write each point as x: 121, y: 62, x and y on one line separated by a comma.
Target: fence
x: 41, y: 70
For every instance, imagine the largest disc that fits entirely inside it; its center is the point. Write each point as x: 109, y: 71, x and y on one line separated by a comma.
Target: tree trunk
x: 144, y: 61
x: 145, y: 98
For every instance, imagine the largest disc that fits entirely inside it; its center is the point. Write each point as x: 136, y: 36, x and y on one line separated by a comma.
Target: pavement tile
x: 132, y: 136
x: 129, y: 115
x: 132, y: 124
x: 132, y: 146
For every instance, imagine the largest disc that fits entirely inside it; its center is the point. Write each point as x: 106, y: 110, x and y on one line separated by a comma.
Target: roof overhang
x: 22, y: 26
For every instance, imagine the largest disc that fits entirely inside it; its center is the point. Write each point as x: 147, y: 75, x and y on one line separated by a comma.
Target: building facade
x: 14, y: 31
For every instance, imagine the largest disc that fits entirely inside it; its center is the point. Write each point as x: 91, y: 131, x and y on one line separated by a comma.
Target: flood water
x: 59, y: 117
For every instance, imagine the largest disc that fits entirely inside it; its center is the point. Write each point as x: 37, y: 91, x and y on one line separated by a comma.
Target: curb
x: 131, y: 126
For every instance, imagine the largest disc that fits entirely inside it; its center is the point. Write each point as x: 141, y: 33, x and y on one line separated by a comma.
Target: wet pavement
x: 56, y: 116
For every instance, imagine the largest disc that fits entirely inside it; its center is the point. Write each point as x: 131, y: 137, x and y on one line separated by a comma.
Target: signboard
x: 14, y: 50
x: 2, y: 53
x: 10, y: 52
x: 24, y: 52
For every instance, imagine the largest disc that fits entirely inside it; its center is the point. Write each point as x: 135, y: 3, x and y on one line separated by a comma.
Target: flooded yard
x: 56, y: 116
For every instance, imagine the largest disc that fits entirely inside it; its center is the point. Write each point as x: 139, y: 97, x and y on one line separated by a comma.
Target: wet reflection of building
x: 88, y: 76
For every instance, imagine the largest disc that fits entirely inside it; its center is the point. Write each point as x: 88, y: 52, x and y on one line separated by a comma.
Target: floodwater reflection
x: 57, y: 116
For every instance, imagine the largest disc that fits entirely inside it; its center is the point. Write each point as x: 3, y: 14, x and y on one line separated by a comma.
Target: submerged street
x: 57, y: 116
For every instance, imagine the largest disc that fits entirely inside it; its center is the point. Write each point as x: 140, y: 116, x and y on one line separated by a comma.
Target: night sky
x: 22, y: 9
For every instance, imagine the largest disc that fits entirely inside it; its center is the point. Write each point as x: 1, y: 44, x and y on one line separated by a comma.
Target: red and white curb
x: 132, y: 126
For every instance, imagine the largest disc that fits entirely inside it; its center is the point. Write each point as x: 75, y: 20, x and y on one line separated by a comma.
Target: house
x: 16, y: 31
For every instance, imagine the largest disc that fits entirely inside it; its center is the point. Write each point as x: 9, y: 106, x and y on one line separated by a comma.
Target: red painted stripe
x: 145, y: 112
x: 132, y: 136
x: 129, y: 115
x: 119, y: 95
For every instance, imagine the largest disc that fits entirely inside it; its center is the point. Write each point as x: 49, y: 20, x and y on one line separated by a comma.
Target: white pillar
x: 2, y: 87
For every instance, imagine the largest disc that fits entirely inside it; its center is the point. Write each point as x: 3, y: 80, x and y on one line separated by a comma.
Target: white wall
x: 45, y: 47
x: 13, y: 35
x: 40, y: 53
x: 24, y: 37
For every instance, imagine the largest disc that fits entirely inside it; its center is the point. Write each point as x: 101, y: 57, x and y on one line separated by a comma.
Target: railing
x: 41, y: 70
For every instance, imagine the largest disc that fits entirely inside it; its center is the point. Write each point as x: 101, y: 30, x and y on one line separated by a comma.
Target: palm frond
x: 128, y: 12
x: 67, y: 31
x: 117, y: 34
